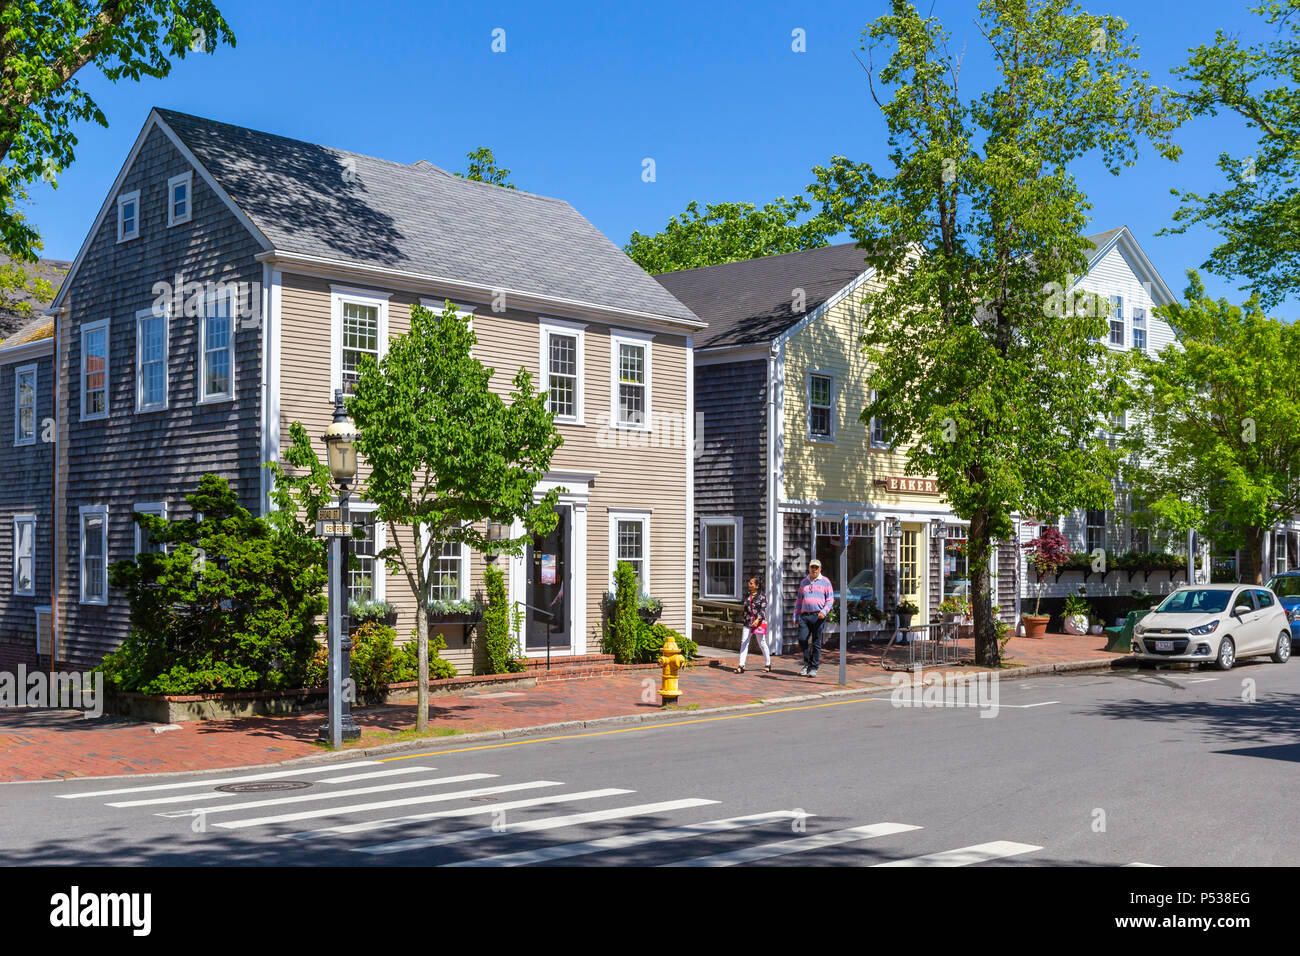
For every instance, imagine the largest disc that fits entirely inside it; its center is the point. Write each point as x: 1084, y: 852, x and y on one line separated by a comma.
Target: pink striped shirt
x: 815, y: 596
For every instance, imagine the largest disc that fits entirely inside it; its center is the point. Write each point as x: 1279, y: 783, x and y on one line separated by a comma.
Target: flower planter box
x: 468, y: 619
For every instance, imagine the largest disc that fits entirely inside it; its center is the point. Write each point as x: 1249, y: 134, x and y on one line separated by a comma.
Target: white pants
x: 745, y: 634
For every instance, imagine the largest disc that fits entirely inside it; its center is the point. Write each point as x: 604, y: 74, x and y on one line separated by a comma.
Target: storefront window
x: 862, y: 556
x: 956, y: 563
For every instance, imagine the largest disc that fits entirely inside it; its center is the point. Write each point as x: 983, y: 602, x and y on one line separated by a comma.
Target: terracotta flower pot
x: 1035, y: 625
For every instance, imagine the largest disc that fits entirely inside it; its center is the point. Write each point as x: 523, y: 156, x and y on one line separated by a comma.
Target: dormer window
x: 128, y: 216
x: 179, y: 198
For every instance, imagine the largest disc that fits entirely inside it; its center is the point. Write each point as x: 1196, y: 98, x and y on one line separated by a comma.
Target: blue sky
x: 584, y: 92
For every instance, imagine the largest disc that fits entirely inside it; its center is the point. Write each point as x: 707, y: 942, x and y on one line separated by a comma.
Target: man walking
x: 816, y: 597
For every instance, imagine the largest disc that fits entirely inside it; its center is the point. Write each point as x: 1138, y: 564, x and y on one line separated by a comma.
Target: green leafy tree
x: 45, y: 44
x: 447, y: 454
x: 987, y: 370
x: 734, y: 231
x: 1257, y: 213
x: 230, y: 603
x: 484, y: 169
x: 1217, y: 445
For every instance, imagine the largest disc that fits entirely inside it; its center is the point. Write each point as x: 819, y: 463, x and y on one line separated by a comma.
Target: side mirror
x: 1241, y: 609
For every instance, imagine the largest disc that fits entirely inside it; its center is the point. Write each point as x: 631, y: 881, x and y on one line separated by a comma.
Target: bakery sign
x: 917, y: 486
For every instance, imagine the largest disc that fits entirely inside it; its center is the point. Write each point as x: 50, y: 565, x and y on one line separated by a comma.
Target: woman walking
x: 755, y: 615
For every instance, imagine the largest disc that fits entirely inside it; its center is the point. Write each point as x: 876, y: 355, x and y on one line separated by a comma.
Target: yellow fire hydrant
x: 672, y: 660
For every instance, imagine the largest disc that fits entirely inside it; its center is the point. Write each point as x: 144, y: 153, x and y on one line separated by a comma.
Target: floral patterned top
x: 755, y: 608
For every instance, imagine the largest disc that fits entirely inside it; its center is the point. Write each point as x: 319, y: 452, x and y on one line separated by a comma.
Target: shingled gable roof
x: 353, y: 210
x: 752, y: 301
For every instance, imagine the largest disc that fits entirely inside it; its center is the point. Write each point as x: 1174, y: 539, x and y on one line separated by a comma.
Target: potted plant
x: 1047, y: 554
x: 650, y: 608
x: 363, y: 611
x: 955, y: 609
x: 906, y: 610
x: 1076, y: 614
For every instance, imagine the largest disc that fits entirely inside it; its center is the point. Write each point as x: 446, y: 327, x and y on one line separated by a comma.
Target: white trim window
x: 94, y: 370
x: 144, y: 544
x: 25, y: 555
x: 1139, y: 328
x: 217, y: 350
x: 448, y: 577
x: 366, y: 578
x: 879, y: 439
x: 1280, y: 552
x: 720, y: 558
x: 359, y: 328
x: 1094, y: 530
x: 630, y: 376
x: 128, y: 216
x: 1117, y: 321
x: 25, y: 405
x: 820, y: 393
x: 94, y: 554
x: 629, y: 540
x: 152, y: 335
x: 180, y: 194
x: 561, y: 361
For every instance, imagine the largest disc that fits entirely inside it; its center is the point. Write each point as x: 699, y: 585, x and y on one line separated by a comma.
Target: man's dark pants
x: 810, y: 638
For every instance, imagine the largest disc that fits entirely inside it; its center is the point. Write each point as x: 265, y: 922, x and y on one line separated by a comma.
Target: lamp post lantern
x: 341, y: 452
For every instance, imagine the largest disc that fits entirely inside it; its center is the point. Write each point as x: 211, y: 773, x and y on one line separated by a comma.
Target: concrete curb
x: 434, y: 743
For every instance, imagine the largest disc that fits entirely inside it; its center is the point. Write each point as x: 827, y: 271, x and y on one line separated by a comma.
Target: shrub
x: 651, y: 641
x: 231, y: 604
x: 500, y: 647
x: 1074, y: 604
x: 623, y: 624
x: 406, y: 664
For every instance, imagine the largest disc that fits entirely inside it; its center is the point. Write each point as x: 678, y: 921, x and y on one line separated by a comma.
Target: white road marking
x: 967, y: 855
x: 458, y: 812
x: 219, y: 781
x: 396, y: 771
x: 534, y: 826
x: 1042, y: 703
x: 811, y: 841
x: 386, y: 804
x: 1155, y: 866
x: 566, y: 850
x: 315, y: 795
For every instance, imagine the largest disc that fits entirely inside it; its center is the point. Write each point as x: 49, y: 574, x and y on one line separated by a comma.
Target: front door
x: 550, y: 593
x: 911, y: 577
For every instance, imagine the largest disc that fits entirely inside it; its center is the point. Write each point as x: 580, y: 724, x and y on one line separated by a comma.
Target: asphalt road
x: 1195, y: 768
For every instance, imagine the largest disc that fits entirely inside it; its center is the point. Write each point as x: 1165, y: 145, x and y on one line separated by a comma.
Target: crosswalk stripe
x: 566, y: 850
x: 301, y: 798
x: 458, y: 812
x: 811, y: 841
x: 1152, y: 865
x: 966, y: 855
x: 394, y: 772
x: 219, y: 781
x: 386, y: 804
x: 534, y: 826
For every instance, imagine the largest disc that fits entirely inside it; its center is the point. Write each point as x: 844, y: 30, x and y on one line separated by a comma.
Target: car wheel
x: 1227, y: 654
x: 1283, y: 652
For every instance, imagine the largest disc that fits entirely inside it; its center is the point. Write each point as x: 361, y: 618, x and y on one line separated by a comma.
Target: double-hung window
x: 1139, y: 328
x: 94, y: 370
x: 561, y: 362
x: 217, y: 376
x: 179, y: 206
x: 630, y: 361
x: 128, y: 216
x: 144, y: 542
x: 1094, y: 538
x: 1117, y: 320
x: 359, y: 331
x: 629, y: 540
x: 24, y: 554
x: 821, y: 407
x: 720, y: 558
x: 878, y: 437
x: 151, y: 334
x: 364, y: 574
x: 447, y: 580
x: 94, y: 554
x: 25, y: 405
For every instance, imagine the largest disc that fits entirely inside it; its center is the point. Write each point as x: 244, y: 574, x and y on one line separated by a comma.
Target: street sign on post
x: 844, y: 603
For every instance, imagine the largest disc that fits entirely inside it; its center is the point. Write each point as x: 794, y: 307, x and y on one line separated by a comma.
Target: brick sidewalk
x: 56, y: 744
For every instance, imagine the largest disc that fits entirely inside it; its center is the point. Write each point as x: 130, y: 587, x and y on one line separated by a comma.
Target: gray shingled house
x: 233, y: 279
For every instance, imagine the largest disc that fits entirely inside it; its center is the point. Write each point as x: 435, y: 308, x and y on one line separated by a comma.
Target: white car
x: 1214, y: 623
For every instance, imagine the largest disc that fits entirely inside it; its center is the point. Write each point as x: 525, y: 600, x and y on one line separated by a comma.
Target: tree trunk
x: 1255, y: 539
x: 979, y: 545
x: 422, y: 649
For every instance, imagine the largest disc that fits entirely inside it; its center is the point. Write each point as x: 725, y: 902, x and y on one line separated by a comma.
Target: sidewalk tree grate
x: 262, y: 786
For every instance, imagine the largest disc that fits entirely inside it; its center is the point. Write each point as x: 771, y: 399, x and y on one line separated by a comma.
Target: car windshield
x: 1288, y: 586
x: 1195, y: 601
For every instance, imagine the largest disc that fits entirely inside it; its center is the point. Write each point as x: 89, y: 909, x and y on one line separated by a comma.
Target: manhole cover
x: 262, y: 786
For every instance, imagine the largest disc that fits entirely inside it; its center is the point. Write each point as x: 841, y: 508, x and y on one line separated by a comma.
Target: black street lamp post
x: 341, y: 450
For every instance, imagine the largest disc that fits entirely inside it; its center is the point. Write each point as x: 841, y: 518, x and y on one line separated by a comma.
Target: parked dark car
x: 1287, y: 588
